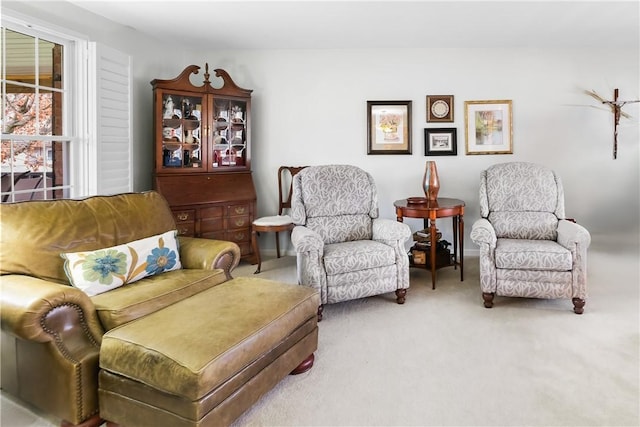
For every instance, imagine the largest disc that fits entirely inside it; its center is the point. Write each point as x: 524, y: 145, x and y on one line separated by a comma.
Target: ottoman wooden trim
x: 205, y: 360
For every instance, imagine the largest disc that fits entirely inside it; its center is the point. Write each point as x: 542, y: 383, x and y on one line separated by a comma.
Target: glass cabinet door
x: 230, y: 133
x: 182, y: 131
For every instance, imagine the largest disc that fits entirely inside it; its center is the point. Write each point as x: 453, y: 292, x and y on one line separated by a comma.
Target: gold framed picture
x: 488, y: 127
x: 440, y: 108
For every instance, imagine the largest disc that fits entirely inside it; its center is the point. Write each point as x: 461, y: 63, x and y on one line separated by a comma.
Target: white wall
x: 309, y: 107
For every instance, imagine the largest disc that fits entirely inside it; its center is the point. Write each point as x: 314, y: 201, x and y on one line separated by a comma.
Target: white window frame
x: 81, y: 109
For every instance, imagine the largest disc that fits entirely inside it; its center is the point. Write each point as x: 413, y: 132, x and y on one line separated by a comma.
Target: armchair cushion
x: 102, y: 270
x: 358, y: 255
x: 524, y: 225
x: 532, y: 255
x: 341, y: 228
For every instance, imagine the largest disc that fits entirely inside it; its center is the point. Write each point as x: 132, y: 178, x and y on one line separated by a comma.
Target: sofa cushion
x: 102, y: 270
x: 229, y: 327
x: 152, y: 293
x: 532, y: 255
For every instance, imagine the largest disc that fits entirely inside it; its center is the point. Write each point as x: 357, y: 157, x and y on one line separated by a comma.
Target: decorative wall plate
x: 439, y: 108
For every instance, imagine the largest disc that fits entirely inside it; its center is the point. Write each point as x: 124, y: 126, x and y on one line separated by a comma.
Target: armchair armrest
x: 483, y: 232
x: 571, y: 233
x: 209, y: 254
x: 38, y: 310
x: 306, y: 240
x: 385, y: 229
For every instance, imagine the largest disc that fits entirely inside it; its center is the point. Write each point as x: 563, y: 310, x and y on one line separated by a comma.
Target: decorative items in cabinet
x: 203, y: 156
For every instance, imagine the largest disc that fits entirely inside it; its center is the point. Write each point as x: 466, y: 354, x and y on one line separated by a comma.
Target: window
x: 35, y: 147
x: 65, y: 115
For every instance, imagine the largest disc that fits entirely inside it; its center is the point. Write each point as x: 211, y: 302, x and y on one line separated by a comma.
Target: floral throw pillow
x: 101, y: 270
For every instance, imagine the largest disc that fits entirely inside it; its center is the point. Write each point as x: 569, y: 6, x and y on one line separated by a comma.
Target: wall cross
x: 616, y: 108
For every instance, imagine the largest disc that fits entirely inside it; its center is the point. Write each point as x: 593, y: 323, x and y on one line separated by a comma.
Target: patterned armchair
x: 527, y: 247
x: 343, y: 249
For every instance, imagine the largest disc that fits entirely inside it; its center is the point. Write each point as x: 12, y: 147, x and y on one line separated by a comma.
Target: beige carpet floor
x: 442, y: 359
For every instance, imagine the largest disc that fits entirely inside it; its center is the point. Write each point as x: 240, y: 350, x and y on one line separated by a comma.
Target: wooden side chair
x: 280, y: 222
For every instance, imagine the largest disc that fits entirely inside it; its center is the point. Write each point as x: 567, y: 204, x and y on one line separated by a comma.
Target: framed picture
x: 488, y: 127
x: 389, y: 127
x: 440, y: 142
x: 439, y: 108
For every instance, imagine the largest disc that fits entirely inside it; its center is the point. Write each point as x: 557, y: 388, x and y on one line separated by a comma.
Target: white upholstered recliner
x: 343, y: 249
x: 527, y: 247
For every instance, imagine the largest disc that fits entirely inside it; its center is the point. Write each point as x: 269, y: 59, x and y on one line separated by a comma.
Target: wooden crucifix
x: 616, y: 108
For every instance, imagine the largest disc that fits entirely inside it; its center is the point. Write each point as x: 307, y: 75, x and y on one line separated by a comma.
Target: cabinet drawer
x: 241, y: 209
x: 208, y: 225
x: 212, y: 212
x: 184, y: 215
x: 186, y: 229
x: 214, y: 235
x: 240, y: 221
x: 240, y: 235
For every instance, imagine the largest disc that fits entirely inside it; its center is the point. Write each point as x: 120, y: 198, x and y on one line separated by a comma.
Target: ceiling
x: 308, y: 24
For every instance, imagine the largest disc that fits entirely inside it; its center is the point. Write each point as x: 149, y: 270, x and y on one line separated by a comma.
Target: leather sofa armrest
x: 38, y: 310
x: 208, y: 254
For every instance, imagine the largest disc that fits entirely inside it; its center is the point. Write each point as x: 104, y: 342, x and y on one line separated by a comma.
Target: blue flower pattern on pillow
x: 159, y: 260
x: 104, y: 265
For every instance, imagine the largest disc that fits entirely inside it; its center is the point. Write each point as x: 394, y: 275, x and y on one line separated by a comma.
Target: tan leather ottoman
x: 205, y: 360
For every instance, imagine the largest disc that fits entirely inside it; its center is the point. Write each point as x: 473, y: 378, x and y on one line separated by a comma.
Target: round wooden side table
x: 429, y: 211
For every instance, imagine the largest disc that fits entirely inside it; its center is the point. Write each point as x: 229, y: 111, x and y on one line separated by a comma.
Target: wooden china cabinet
x: 202, y: 138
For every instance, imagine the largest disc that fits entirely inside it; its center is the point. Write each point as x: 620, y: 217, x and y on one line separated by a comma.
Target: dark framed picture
x: 489, y: 127
x: 439, y: 108
x: 440, y: 142
x: 389, y: 127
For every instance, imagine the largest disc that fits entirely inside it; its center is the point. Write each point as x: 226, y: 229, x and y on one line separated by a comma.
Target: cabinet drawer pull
x: 240, y: 237
x: 239, y: 209
x: 239, y: 222
x: 183, y: 231
x: 183, y: 216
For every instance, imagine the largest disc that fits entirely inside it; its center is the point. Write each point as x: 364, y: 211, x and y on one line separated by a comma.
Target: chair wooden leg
x: 278, y: 244
x: 320, y: 310
x: 256, y: 249
x: 578, y: 305
x: 401, y: 295
x: 488, y: 299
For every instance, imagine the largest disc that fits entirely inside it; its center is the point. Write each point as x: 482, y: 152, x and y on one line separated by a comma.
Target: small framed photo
x: 389, y: 127
x: 439, y: 108
x: 488, y: 127
x: 440, y: 142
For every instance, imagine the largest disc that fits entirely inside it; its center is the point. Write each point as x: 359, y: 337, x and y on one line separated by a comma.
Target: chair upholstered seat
x: 343, y: 249
x: 532, y: 255
x: 356, y: 256
x: 527, y: 247
x: 270, y: 221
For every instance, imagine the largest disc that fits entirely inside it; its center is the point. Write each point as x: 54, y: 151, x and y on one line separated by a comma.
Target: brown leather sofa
x: 52, y: 332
